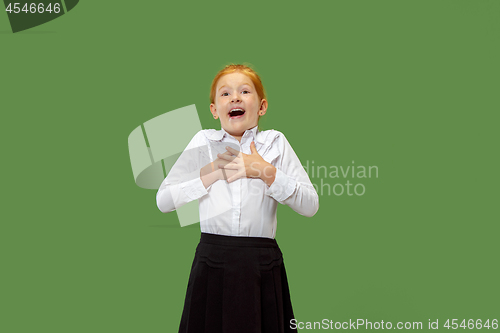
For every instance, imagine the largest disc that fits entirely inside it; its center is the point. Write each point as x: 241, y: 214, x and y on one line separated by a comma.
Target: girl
x: 239, y: 175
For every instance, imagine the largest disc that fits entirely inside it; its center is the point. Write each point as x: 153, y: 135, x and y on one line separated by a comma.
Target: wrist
x: 219, y: 174
x: 208, y: 177
x: 268, y: 173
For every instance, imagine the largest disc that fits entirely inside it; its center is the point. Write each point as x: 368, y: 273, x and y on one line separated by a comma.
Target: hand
x: 249, y: 166
x: 224, y: 174
x: 211, y: 172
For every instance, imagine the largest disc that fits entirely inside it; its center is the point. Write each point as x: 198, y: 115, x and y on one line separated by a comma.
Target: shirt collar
x: 253, y: 132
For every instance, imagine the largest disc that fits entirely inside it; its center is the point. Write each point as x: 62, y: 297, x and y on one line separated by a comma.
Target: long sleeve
x: 183, y: 183
x: 292, y: 186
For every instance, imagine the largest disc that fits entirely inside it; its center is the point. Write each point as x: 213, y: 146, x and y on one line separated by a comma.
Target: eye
x: 225, y: 94
x: 246, y: 92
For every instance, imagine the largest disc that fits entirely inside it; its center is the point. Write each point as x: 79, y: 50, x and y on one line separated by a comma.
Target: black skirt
x: 237, y: 285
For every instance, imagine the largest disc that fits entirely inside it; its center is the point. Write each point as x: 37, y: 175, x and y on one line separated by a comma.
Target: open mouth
x: 236, y: 113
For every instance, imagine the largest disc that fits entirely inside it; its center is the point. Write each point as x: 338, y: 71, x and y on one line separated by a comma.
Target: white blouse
x: 247, y: 206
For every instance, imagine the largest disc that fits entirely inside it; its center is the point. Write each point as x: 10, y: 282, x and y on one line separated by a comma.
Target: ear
x: 263, y: 107
x: 213, y: 110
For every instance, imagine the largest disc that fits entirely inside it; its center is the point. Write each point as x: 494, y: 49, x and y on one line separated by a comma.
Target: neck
x: 236, y: 136
x: 239, y: 135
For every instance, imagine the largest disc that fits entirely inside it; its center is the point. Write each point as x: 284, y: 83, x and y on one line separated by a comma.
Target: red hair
x: 242, y: 69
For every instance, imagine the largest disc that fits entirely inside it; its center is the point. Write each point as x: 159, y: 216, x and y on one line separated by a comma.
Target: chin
x: 238, y: 129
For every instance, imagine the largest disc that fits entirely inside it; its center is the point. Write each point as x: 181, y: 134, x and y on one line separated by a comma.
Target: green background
x: 409, y: 86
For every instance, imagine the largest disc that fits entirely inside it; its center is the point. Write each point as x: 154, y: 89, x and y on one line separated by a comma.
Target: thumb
x: 252, y: 148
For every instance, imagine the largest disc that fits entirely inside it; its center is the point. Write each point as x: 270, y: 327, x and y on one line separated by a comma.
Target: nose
x: 236, y: 98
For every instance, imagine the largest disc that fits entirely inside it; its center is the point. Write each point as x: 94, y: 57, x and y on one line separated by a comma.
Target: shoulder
x: 267, y: 137
x: 272, y: 138
x: 211, y: 134
x: 204, y: 134
x: 199, y: 139
x: 270, y: 144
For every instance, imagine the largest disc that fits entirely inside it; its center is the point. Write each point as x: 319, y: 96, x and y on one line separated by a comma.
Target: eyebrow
x: 244, y: 84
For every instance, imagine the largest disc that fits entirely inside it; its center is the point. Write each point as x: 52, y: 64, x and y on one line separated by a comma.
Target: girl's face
x: 237, y: 104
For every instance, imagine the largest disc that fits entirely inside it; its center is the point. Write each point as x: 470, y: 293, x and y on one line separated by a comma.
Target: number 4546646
x: 33, y: 8
x: 471, y: 324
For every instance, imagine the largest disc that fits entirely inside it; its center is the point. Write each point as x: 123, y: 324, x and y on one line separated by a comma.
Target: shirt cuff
x: 282, y: 187
x: 194, y: 188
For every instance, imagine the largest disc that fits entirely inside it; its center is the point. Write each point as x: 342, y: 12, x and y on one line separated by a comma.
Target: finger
x: 234, y: 177
x: 253, y: 149
x: 233, y: 151
x: 231, y: 166
x: 221, y: 162
x: 226, y: 156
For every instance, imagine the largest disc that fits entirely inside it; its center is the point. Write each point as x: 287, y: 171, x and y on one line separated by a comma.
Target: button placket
x: 235, y: 188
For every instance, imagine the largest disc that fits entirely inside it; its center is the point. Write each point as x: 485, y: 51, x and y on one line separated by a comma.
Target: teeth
x: 236, y: 112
